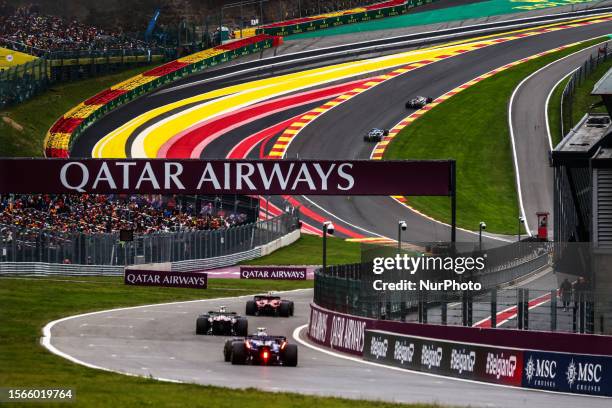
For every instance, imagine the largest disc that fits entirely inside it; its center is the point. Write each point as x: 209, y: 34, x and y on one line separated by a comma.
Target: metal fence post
x: 494, y: 308
x: 526, y: 309
x: 553, y: 310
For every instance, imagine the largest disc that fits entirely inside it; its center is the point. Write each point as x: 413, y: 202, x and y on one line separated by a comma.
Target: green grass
x: 308, y: 250
x: 472, y: 128
x: 581, y: 105
x: 36, y: 115
x: 28, y: 304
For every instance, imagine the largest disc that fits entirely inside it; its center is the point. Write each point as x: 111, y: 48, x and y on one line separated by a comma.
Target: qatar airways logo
x: 500, y: 366
x: 219, y: 176
x: 431, y: 356
x: 318, y: 325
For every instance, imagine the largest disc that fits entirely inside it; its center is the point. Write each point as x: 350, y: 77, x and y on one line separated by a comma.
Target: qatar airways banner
x: 273, y: 272
x: 270, y: 177
x: 191, y: 280
x: 342, y: 332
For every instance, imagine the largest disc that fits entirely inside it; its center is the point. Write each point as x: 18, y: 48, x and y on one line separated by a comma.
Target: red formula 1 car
x: 261, y: 349
x: 269, y: 305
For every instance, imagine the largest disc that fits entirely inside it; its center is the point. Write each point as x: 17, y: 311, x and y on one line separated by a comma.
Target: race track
x: 332, y: 135
x: 160, y: 341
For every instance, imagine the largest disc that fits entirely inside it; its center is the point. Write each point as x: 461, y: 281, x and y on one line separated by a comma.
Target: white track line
x: 45, y: 340
x: 511, y: 127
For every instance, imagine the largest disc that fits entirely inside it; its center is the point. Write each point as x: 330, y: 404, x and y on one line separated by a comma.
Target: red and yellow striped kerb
x: 279, y: 149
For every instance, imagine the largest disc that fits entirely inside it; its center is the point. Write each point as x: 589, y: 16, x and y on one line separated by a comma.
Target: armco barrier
x: 47, y: 269
x: 387, y: 9
x: 561, y: 372
x: 68, y: 128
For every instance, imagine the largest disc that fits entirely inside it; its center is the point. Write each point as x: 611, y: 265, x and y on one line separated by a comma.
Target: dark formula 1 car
x: 375, y: 135
x: 418, y: 102
x: 261, y: 349
x: 269, y: 305
x: 222, y: 323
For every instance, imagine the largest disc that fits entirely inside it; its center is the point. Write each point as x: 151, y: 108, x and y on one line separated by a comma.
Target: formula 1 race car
x: 261, y: 349
x: 375, y: 135
x: 269, y: 305
x: 222, y: 323
x: 418, y: 102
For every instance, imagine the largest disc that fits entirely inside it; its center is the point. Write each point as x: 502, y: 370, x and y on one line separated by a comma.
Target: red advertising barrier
x: 417, y: 347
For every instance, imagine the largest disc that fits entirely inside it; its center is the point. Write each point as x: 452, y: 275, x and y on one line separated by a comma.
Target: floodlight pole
x: 453, y: 170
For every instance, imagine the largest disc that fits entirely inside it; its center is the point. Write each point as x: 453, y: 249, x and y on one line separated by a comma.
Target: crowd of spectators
x: 26, y: 26
x: 90, y: 214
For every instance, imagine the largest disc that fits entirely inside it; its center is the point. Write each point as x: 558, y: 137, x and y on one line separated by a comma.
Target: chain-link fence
x: 21, y: 245
x: 511, y: 308
x: 503, y: 301
x: 604, y: 53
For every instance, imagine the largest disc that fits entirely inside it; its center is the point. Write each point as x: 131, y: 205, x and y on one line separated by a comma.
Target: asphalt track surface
x: 160, y: 341
x: 528, y: 118
x: 334, y: 135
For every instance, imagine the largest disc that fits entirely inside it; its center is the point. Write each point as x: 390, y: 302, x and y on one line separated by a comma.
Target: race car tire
x: 429, y: 100
x: 291, y: 308
x: 284, y: 309
x: 202, y: 325
x: 290, y: 356
x: 227, y: 351
x: 241, y: 327
x: 386, y: 132
x: 251, y: 308
x: 238, y: 353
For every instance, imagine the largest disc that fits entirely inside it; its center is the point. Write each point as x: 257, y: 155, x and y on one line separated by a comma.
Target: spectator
x: 90, y: 214
x: 25, y: 25
x: 566, y: 293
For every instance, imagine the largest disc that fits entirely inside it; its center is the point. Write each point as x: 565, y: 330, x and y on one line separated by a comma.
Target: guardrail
x: 69, y: 127
x: 388, y: 9
x: 193, y: 265
x: 20, y: 245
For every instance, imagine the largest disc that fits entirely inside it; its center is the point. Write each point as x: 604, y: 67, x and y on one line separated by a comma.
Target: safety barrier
x: 537, y: 360
x: 21, y: 245
x: 69, y: 127
x: 49, y: 269
x: 388, y: 9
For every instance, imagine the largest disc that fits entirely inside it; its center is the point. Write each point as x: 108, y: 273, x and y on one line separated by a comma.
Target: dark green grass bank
x: 472, y: 128
x: 23, y: 127
x: 28, y: 304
